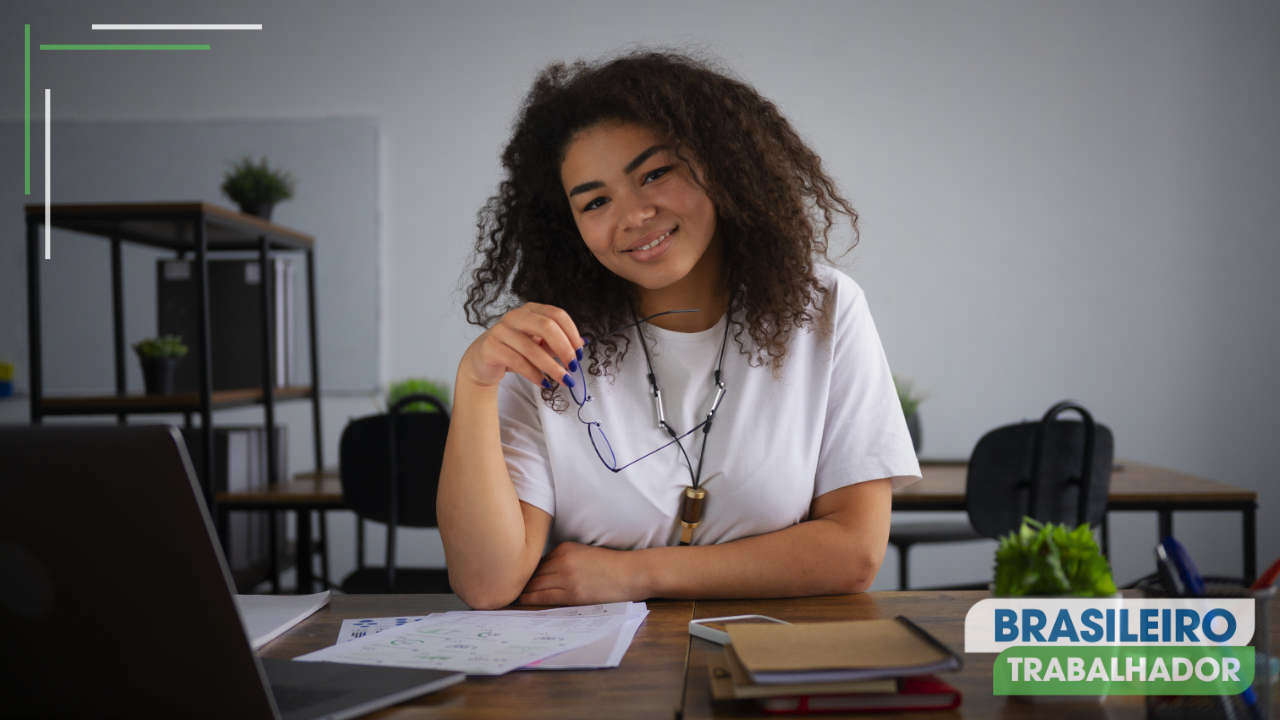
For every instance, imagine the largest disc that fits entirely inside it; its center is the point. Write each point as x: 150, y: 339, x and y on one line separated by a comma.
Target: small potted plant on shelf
x: 415, y: 386
x: 910, y: 400
x: 159, y: 357
x: 255, y: 187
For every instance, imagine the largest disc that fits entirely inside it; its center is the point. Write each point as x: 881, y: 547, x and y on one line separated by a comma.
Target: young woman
x: 670, y: 391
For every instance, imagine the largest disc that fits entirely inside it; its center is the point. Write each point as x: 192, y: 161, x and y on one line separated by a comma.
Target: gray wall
x: 335, y: 161
x: 1065, y: 199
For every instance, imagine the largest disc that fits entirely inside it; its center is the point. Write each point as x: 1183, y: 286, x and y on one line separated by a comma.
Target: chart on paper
x: 604, y: 652
x: 475, y: 643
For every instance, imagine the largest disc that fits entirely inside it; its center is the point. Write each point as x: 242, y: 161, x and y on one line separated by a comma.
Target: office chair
x: 390, y: 466
x: 1054, y: 471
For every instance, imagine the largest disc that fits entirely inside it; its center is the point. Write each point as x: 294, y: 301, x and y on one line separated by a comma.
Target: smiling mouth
x: 656, y: 241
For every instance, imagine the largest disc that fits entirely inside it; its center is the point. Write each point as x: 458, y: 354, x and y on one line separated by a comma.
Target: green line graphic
x: 26, y: 108
x: 120, y: 46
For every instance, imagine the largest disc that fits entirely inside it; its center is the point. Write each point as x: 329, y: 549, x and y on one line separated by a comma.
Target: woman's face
x: 637, y: 205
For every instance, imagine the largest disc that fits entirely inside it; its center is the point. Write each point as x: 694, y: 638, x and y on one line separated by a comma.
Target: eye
x: 655, y: 174
x: 597, y: 202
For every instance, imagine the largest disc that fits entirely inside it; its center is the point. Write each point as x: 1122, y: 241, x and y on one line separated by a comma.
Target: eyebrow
x: 635, y: 163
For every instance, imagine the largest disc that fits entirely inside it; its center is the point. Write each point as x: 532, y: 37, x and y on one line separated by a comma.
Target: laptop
x: 115, y: 599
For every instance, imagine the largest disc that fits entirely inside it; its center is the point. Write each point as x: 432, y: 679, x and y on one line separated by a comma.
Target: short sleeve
x: 523, y: 445
x: 865, y: 436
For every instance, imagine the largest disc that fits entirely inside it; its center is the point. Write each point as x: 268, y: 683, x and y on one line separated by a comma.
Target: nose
x: 637, y: 209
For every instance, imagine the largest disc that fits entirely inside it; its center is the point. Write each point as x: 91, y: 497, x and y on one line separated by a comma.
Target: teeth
x: 654, y: 244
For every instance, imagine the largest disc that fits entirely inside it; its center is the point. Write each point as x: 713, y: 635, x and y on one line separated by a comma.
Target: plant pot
x: 913, y: 427
x: 159, y: 374
x: 1083, y: 705
x: 262, y: 210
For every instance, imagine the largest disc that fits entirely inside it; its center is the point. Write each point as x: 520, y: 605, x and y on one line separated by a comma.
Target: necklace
x: 694, y: 498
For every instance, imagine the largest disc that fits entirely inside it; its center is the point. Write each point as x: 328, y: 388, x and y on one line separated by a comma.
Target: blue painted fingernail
x: 546, y: 383
x: 585, y: 341
x: 567, y: 381
x: 578, y: 352
x: 573, y: 366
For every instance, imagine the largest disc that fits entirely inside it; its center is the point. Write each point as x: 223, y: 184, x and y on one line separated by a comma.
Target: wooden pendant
x: 692, y: 504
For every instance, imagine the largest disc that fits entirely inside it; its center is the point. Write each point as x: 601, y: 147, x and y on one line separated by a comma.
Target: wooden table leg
x: 221, y: 525
x: 304, y: 552
x: 324, y: 552
x: 273, y: 547
x: 1106, y: 535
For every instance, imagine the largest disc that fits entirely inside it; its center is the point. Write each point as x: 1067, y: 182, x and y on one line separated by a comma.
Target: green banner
x: 1123, y: 670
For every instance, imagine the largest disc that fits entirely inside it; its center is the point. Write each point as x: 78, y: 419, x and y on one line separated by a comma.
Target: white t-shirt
x: 830, y: 419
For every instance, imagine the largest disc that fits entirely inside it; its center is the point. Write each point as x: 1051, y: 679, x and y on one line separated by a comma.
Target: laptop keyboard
x: 293, y: 697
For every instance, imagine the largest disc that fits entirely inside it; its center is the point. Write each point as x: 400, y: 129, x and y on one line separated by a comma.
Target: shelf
x: 171, y: 225
x: 306, y: 494
x: 183, y: 402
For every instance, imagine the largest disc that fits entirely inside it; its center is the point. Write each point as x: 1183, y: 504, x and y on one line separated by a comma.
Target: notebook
x: 729, y: 681
x: 266, y: 617
x: 826, y: 652
x: 920, y: 692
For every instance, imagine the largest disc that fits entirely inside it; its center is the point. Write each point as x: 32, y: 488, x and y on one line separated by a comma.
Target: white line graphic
x: 156, y: 26
x: 48, y: 228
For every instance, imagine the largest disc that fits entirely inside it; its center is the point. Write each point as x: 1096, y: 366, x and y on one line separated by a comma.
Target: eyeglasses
x: 599, y: 441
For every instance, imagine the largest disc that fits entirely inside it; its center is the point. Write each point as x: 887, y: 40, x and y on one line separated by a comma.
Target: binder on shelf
x: 235, y: 314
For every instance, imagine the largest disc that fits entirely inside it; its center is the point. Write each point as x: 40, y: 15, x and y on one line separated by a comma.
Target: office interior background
x: 1058, y: 199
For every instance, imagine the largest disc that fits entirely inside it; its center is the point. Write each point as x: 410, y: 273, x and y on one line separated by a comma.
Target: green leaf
x: 163, y: 346
x: 416, y: 386
x: 250, y: 183
x: 1051, y: 559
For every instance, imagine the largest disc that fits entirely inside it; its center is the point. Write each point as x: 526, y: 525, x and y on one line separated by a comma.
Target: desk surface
x: 649, y: 682
x: 1134, y: 485
x: 646, y: 685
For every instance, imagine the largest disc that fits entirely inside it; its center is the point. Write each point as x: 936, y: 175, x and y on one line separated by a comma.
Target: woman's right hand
x: 534, y: 340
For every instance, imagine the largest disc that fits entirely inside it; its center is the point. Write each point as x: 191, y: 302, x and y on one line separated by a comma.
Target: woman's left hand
x: 577, y: 574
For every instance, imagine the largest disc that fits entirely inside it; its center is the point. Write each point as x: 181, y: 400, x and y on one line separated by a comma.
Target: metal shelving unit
x: 192, y: 227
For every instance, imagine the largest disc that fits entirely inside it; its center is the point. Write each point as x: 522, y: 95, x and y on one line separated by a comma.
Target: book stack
x: 235, y: 320
x: 829, y: 667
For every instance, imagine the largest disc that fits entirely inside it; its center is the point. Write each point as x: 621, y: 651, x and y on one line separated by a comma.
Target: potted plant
x: 255, y: 187
x: 159, y: 357
x: 910, y: 400
x: 415, y: 386
x: 1050, y: 559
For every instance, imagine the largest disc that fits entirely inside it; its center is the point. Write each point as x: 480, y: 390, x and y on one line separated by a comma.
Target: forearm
x: 816, y: 557
x: 481, y: 524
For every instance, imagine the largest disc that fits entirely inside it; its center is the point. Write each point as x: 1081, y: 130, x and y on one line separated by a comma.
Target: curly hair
x: 775, y: 206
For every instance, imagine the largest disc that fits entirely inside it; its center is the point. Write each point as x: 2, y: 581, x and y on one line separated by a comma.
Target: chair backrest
x: 1055, y: 471
x: 369, y: 454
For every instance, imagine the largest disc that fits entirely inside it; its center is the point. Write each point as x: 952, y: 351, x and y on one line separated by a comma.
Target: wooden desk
x: 1134, y: 486
x: 646, y: 685
x: 650, y: 681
